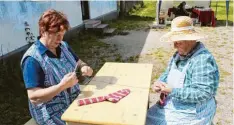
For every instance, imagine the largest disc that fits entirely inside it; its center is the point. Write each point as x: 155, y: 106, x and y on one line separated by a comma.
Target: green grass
x: 223, y: 74
x: 162, y: 56
x: 148, y: 10
x: 126, y: 24
x: 13, y: 99
x: 138, y: 18
x: 221, y: 10
x: 90, y: 49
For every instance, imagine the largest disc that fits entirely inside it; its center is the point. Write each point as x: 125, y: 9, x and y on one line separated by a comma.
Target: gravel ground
x: 144, y: 45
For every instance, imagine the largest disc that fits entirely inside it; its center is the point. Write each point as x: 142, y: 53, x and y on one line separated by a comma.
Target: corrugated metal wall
x: 13, y: 16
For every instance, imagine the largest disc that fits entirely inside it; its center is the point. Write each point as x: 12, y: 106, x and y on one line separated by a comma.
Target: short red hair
x: 52, y: 21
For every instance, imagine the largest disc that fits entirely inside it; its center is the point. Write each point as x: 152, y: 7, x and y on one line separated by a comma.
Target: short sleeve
x: 33, y: 74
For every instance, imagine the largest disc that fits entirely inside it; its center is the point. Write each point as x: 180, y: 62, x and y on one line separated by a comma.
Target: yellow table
x: 112, y: 77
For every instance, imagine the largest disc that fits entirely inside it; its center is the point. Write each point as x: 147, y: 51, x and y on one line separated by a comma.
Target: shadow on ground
x: 223, y: 23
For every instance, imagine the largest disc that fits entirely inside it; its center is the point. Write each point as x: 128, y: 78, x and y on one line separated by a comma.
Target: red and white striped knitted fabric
x: 116, y: 96
x: 87, y: 101
x: 112, y: 97
x: 162, y: 100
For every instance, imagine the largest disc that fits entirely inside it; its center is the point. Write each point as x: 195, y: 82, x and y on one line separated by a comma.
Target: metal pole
x: 157, y: 13
x: 227, y: 10
x: 210, y: 4
x: 216, y: 9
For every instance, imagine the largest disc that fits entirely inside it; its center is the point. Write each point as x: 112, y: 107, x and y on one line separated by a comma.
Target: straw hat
x: 182, y: 29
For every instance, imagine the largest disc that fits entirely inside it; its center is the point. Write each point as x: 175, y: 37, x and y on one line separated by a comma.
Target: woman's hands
x: 69, y: 80
x: 162, y: 87
x: 86, y: 71
x: 39, y: 95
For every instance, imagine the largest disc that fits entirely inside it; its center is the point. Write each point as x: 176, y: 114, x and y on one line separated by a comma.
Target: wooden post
x: 122, y: 8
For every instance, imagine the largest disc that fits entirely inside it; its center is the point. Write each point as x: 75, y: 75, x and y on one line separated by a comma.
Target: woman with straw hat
x: 189, y: 84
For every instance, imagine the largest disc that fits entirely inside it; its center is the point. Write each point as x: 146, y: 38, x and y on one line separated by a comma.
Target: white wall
x: 204, y: 3
x: 99, y: 8
x: 170, y: 3
x: 166, y: 4
x: 14, y: 14
x: 72, y: 9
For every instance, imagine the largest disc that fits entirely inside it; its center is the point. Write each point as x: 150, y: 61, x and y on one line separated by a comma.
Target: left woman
x: 48, y: 71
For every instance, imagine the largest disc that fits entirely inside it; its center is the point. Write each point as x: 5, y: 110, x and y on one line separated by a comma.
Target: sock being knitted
x: 112, y: 97
x: 162, y: 100
x: 116, y: 96
x: 87, y: 101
